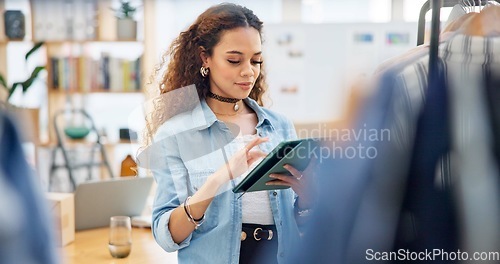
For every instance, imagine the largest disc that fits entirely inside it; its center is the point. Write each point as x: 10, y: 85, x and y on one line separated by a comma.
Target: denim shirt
x: 186, y: 150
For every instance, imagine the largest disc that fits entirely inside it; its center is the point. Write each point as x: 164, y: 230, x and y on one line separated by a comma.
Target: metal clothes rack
x: 434, y: 45
x: 445, y: 3
x: 434, y: 65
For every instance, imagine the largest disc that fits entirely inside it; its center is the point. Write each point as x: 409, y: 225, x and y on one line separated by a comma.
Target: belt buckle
x: 269, y: 236
x: 255, y: 233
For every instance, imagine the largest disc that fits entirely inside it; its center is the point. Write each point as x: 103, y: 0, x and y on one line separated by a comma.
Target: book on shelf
x: 105, y: 79
x: 84, y: 74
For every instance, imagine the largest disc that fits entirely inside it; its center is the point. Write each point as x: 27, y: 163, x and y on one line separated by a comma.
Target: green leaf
x: 32, y: 50
x: 26, y: 84
x: 3, y: 82
x: 11, y: 91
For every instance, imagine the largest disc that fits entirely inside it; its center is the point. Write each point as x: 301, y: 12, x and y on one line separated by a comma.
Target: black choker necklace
x: 234, y: 101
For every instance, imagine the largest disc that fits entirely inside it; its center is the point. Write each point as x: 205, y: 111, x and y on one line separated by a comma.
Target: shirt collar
x: 203, y: 110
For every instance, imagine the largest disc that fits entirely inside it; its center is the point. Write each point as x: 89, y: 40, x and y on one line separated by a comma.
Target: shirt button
x: 275, y: 193
x: 260, y: 134
x: 282, y: 254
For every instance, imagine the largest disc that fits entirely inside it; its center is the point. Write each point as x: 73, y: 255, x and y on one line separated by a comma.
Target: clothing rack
x: 436, y: 5
x: 434, y: 45
x: 445, y: 3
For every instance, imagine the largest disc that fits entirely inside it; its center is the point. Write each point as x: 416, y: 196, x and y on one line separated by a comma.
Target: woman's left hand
x: 300, y: 182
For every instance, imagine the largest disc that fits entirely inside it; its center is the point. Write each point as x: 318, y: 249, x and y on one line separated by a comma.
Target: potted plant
x: 126, y: 25
x: 29, y: 117
x: 28, y: 82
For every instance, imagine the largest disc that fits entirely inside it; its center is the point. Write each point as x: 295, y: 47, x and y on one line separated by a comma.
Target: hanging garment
x: 360, y: 200
x: 476, y: 173
x: 431, y: 208
x: 492, y: 83
x: 25, y: 232
x: 456, y: 12
x: 346, y: 224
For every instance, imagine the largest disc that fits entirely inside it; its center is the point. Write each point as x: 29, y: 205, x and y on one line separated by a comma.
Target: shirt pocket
x: 197, y: 179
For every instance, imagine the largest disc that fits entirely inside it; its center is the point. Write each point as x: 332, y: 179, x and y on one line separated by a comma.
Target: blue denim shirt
x: 190, y: 147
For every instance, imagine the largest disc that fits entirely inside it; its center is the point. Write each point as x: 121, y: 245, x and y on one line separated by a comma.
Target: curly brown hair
x: 185, y: 61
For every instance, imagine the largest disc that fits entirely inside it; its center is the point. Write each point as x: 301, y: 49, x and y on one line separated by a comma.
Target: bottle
x: 129, y: 167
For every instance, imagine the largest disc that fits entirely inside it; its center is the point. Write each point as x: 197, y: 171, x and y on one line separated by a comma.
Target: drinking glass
x: 120, y: 236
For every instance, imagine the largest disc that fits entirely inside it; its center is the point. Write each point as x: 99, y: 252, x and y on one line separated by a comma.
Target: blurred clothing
x: 403, y: 197
x: 25, y: 230
x: 475, y: 171
x: 431, y: 208
x: 356, y: 211
x: 493, y: 97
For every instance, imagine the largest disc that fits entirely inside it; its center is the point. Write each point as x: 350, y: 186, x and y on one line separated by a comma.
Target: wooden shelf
x: 7, y: 41
x: 101, y: 91
x: 73, y: 143
x: 84, y: 42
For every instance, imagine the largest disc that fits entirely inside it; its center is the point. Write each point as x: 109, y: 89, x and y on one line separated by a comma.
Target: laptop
x: 97, y: 201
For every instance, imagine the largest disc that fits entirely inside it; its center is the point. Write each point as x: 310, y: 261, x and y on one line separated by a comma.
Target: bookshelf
x: 105, y: 104
x: 85, y: 64
x: 88, y: 62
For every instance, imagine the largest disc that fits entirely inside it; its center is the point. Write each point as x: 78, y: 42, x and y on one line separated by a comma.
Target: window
x: 334, y: 11
x: 412, y: 11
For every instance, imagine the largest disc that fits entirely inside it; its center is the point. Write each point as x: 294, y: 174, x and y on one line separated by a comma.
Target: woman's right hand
x: 241, y: 161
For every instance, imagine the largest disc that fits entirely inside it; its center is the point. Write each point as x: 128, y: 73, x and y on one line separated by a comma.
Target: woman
x: 203, y: 146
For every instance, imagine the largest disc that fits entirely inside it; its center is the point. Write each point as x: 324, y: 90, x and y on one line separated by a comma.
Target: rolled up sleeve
x: 163, y: 236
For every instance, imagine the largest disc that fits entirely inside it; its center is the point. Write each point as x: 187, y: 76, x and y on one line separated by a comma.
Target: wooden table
x: 91, y: 246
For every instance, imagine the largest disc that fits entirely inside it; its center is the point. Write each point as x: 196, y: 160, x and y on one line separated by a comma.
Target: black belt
x: 258, y: 232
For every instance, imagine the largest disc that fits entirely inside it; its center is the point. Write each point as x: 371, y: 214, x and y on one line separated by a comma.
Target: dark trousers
x: 259, y: 251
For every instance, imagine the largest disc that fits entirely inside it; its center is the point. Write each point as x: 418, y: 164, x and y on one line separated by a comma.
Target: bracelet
x: 197, y: 222
x: 301, y: 212
x: 304, y: 213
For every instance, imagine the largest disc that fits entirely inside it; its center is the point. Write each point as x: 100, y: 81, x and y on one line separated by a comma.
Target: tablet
x: 297, y: 153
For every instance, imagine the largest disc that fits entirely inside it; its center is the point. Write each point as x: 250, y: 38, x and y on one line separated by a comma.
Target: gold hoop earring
x: 204, y: 71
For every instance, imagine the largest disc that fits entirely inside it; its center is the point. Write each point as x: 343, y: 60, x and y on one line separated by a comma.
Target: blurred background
x: 315, y: 51
x: 98, y: 56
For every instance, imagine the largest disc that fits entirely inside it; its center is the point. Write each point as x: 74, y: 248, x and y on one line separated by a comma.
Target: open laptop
x: 97, y: 201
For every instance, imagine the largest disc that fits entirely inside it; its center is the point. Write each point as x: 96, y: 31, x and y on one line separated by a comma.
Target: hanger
x: 490, y: 3
x: 466, y: 5
x: 457, y: 11
x: 446, y: 3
